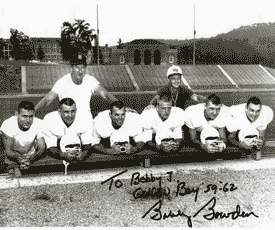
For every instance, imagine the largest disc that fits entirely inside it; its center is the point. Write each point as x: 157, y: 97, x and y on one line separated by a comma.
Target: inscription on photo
x: 177, y: 188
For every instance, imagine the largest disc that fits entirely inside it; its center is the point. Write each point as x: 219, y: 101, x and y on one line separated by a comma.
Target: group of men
x: 72, y: 134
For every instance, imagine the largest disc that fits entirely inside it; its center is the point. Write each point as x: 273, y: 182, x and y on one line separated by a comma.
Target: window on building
x: 147, y: 57
x: 171, y: 59
x: 121, y: 59
x: 157, y: 57
x: 54, y: 45
x: 7, y: 50
x: 137, y: 58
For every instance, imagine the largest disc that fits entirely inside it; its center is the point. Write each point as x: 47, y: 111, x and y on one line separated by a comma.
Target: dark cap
x: 78, y: 59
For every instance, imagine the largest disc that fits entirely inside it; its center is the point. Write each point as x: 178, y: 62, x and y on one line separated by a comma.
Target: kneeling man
x: 23, y: 137
x: 248, y: 124
x: 117, y: 131
x: 67, y: 138
x: 162, y: 126
x: 204, y: 117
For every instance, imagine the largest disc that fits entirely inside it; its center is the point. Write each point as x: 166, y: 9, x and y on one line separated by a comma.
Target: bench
x: 145, y: 156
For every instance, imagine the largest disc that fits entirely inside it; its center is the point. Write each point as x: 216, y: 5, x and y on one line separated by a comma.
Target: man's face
x: 175, y: 80
x: 253, y: 111
x: 67, y: 113
x: 212, y: 110
x: 25, y: 119
x: 118, y: 116
x: 78, y: 73
x: 164, y: 109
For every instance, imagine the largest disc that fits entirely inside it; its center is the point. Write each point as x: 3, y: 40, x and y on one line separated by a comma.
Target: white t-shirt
x: 81, y: 94
x: 55, y: 129
x: 103, y: 128
x: 24, y: 141
x: 196, y: 119
x: 239, y: 119
x: 152, y: 123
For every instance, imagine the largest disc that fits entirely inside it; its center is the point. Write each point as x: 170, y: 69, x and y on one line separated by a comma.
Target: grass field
x: 93, y: 204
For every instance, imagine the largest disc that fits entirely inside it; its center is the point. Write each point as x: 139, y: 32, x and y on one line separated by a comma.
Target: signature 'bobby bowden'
x: 213, y: 214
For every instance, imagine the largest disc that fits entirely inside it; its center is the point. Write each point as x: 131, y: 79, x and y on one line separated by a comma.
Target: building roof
x: 145, y: 42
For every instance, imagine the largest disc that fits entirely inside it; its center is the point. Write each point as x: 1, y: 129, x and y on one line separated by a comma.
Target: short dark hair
x: 27, y: 105
x: 67, y: 101
x: 118, y: 104
x: 254, y: 100
x: 214, y: 99
x: 78, y: 59
x: 165, y: 98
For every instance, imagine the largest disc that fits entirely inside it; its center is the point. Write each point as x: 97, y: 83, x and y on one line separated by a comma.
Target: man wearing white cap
x: 162, y: 126
x: 179, y: 94
x: 23, y: 137
x: 212, y: 114
x: 67, y: 137
x: 117, y: 131
x: 249, y: 119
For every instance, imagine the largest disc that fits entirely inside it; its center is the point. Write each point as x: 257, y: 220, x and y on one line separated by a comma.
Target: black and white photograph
x: 137, y: 113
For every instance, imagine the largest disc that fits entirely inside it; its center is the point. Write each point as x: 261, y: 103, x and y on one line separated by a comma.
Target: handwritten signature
x: 213, y: 214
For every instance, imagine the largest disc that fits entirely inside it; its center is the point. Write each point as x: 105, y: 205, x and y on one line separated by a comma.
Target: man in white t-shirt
x: 248, y: 116
x: 117, y: 131
x: 205, y: 115
x: 63, y: 123
x: 162, y: 126
x: 23, y: 138
x: 78, y: 86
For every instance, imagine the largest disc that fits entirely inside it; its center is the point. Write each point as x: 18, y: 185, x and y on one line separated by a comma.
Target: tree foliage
x: 76, y: 38
x: 2, y: 44
x: 40, y: 53
x: 119, y: 44
x: 23, y: 48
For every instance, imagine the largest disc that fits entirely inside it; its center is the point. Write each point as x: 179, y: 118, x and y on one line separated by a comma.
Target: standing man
x: 162, y: 125
x: 211, y: 114
x: 68, y: 137
x: 23, y: 138
x: 117, y: 131
x: 249, y: 119
x: 78, y: 86
x: 178, y: 93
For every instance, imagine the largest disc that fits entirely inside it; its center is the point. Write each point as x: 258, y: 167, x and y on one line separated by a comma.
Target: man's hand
x: 70, y: 155
x: 149, y: 107
x: 247, y: 143
x: 211, y: 147
x: 166, y: 146
x: 24, y: 162
x: 128, y: 148
x: 130, y: 110
x: 115, y: 149
x: 80, y: 155
x: 260, y: 143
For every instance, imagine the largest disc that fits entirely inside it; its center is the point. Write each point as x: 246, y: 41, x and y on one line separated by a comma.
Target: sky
x: 134, y: 19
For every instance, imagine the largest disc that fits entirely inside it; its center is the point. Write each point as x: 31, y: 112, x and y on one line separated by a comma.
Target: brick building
x: 141, y: 51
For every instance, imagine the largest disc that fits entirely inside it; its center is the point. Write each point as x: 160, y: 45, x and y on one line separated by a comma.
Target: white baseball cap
x: 118, y: 136
x: 174, y: 69
x: 209, y: 132
x: 163, y: 134
x: 248, y: 131
x: 70, y: 141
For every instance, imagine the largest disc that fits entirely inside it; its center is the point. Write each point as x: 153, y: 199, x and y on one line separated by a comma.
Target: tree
x: 2, y: 44
x: 23, y: 48
x: 76, y: 38
x: 40, y: 53
x: 119, y: 44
